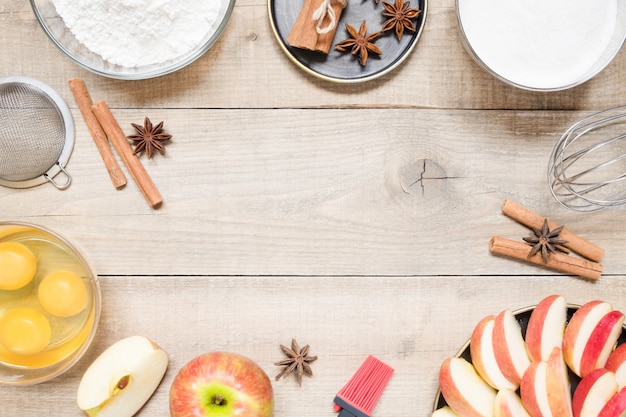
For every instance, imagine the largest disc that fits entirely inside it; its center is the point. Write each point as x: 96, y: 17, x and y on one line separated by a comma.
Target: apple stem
x: 218, y: 400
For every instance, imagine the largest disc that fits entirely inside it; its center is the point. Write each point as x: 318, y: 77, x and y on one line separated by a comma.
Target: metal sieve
x: 36, y: 134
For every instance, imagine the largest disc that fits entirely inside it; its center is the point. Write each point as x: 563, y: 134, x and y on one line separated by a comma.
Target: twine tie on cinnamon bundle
x: 326, y: 9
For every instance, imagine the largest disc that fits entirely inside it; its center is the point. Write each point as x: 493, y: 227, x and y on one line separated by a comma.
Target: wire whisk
x: 588, y: 163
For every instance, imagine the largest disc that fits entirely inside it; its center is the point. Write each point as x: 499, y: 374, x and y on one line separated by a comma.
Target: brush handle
x: 348, y: 410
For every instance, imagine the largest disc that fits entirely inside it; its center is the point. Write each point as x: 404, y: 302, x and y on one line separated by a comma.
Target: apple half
x: 464, y: 390
x: 546, y: 327
x: 122, y: 379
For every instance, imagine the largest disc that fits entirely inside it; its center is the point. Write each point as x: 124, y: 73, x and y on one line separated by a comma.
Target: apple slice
x: 593, y: 392
x: 601, y: 342
x: 444, y: 411
x: 546, y: 327
x: 616, y: 406
x: 509, y: 347
x: 534, y: 391
x: 617, y: 364
x: 558, y: 385
x: 579, y: 329
x: 122, y: 379
x: 509, y: 404
x: 464, y: 390
x: 483, y: 356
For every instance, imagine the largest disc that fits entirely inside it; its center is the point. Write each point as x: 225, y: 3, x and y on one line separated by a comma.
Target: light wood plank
x: 382, y: 191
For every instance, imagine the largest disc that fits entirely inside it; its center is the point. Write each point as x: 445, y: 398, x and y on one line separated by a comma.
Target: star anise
x: 360, y: 43
x: 297, y: 360
x: 400, y: 16
x: 149, y: 138
x: 545, y: 241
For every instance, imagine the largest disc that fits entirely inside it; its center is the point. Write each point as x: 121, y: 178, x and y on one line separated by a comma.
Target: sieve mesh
x: 32, y: 132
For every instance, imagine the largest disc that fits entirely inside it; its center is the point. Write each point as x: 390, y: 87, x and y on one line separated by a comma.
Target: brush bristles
x: 365, y: 387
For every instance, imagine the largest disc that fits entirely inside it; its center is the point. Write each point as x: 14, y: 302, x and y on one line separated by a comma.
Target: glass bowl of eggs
x: 50, y: 304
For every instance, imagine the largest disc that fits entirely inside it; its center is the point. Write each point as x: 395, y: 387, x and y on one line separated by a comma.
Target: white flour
x: 134, y: 33
x: 539, y: 43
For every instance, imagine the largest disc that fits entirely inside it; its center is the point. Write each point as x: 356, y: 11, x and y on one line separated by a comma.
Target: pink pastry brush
x: 359, y: 396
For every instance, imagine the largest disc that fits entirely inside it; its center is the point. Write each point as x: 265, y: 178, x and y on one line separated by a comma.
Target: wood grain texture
x: 263, y: 192
x: 356, y: 218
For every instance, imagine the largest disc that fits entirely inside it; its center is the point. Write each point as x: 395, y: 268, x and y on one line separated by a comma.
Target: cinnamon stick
x: 123, y: 148
x: 83, y: 100
x: 304, y: 34
x: 576, y: 243
x: 559, y: 262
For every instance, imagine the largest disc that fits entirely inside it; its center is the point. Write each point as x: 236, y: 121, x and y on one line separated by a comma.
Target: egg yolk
x: 25, y: 331
x: 17, y: 265
x: 62, y: 293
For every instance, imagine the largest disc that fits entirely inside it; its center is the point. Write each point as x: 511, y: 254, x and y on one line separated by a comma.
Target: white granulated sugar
x: 134, y: 33
x: 539, y: 43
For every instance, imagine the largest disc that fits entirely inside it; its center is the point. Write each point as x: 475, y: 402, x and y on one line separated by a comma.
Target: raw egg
x: 62, y: 293
x: 17, y: 265
x: 25, y: 331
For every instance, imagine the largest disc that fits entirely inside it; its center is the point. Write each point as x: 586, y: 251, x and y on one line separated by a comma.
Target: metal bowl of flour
x: 120, y: 42
x: 542, y: 45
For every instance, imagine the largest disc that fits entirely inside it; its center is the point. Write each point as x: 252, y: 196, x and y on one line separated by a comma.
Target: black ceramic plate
x: 343, y: 66
x: 522, y: 318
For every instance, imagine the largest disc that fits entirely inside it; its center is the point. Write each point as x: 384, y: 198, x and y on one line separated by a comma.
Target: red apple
x: 601, y: 342
x: 509, y: 347
x: 546, y: 327
x: 466, y: 393
x: 593, y: 392
x: 221, y: 384
x: 579, y: 330
x: 483, y: 356
x: 617, y: 363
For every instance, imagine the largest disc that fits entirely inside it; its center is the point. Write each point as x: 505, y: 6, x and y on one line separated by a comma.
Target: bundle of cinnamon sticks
x: 316, y: 25
x: 587, y: 267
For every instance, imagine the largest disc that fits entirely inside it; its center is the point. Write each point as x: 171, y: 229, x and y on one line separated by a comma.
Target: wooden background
x: 355, y: 218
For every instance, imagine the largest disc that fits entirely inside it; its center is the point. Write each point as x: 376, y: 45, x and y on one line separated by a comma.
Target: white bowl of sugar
x: 133, y: 39
x: 542, y: 45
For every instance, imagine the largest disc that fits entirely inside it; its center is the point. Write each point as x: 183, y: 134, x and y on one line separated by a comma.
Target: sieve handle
x: 60, y: 186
